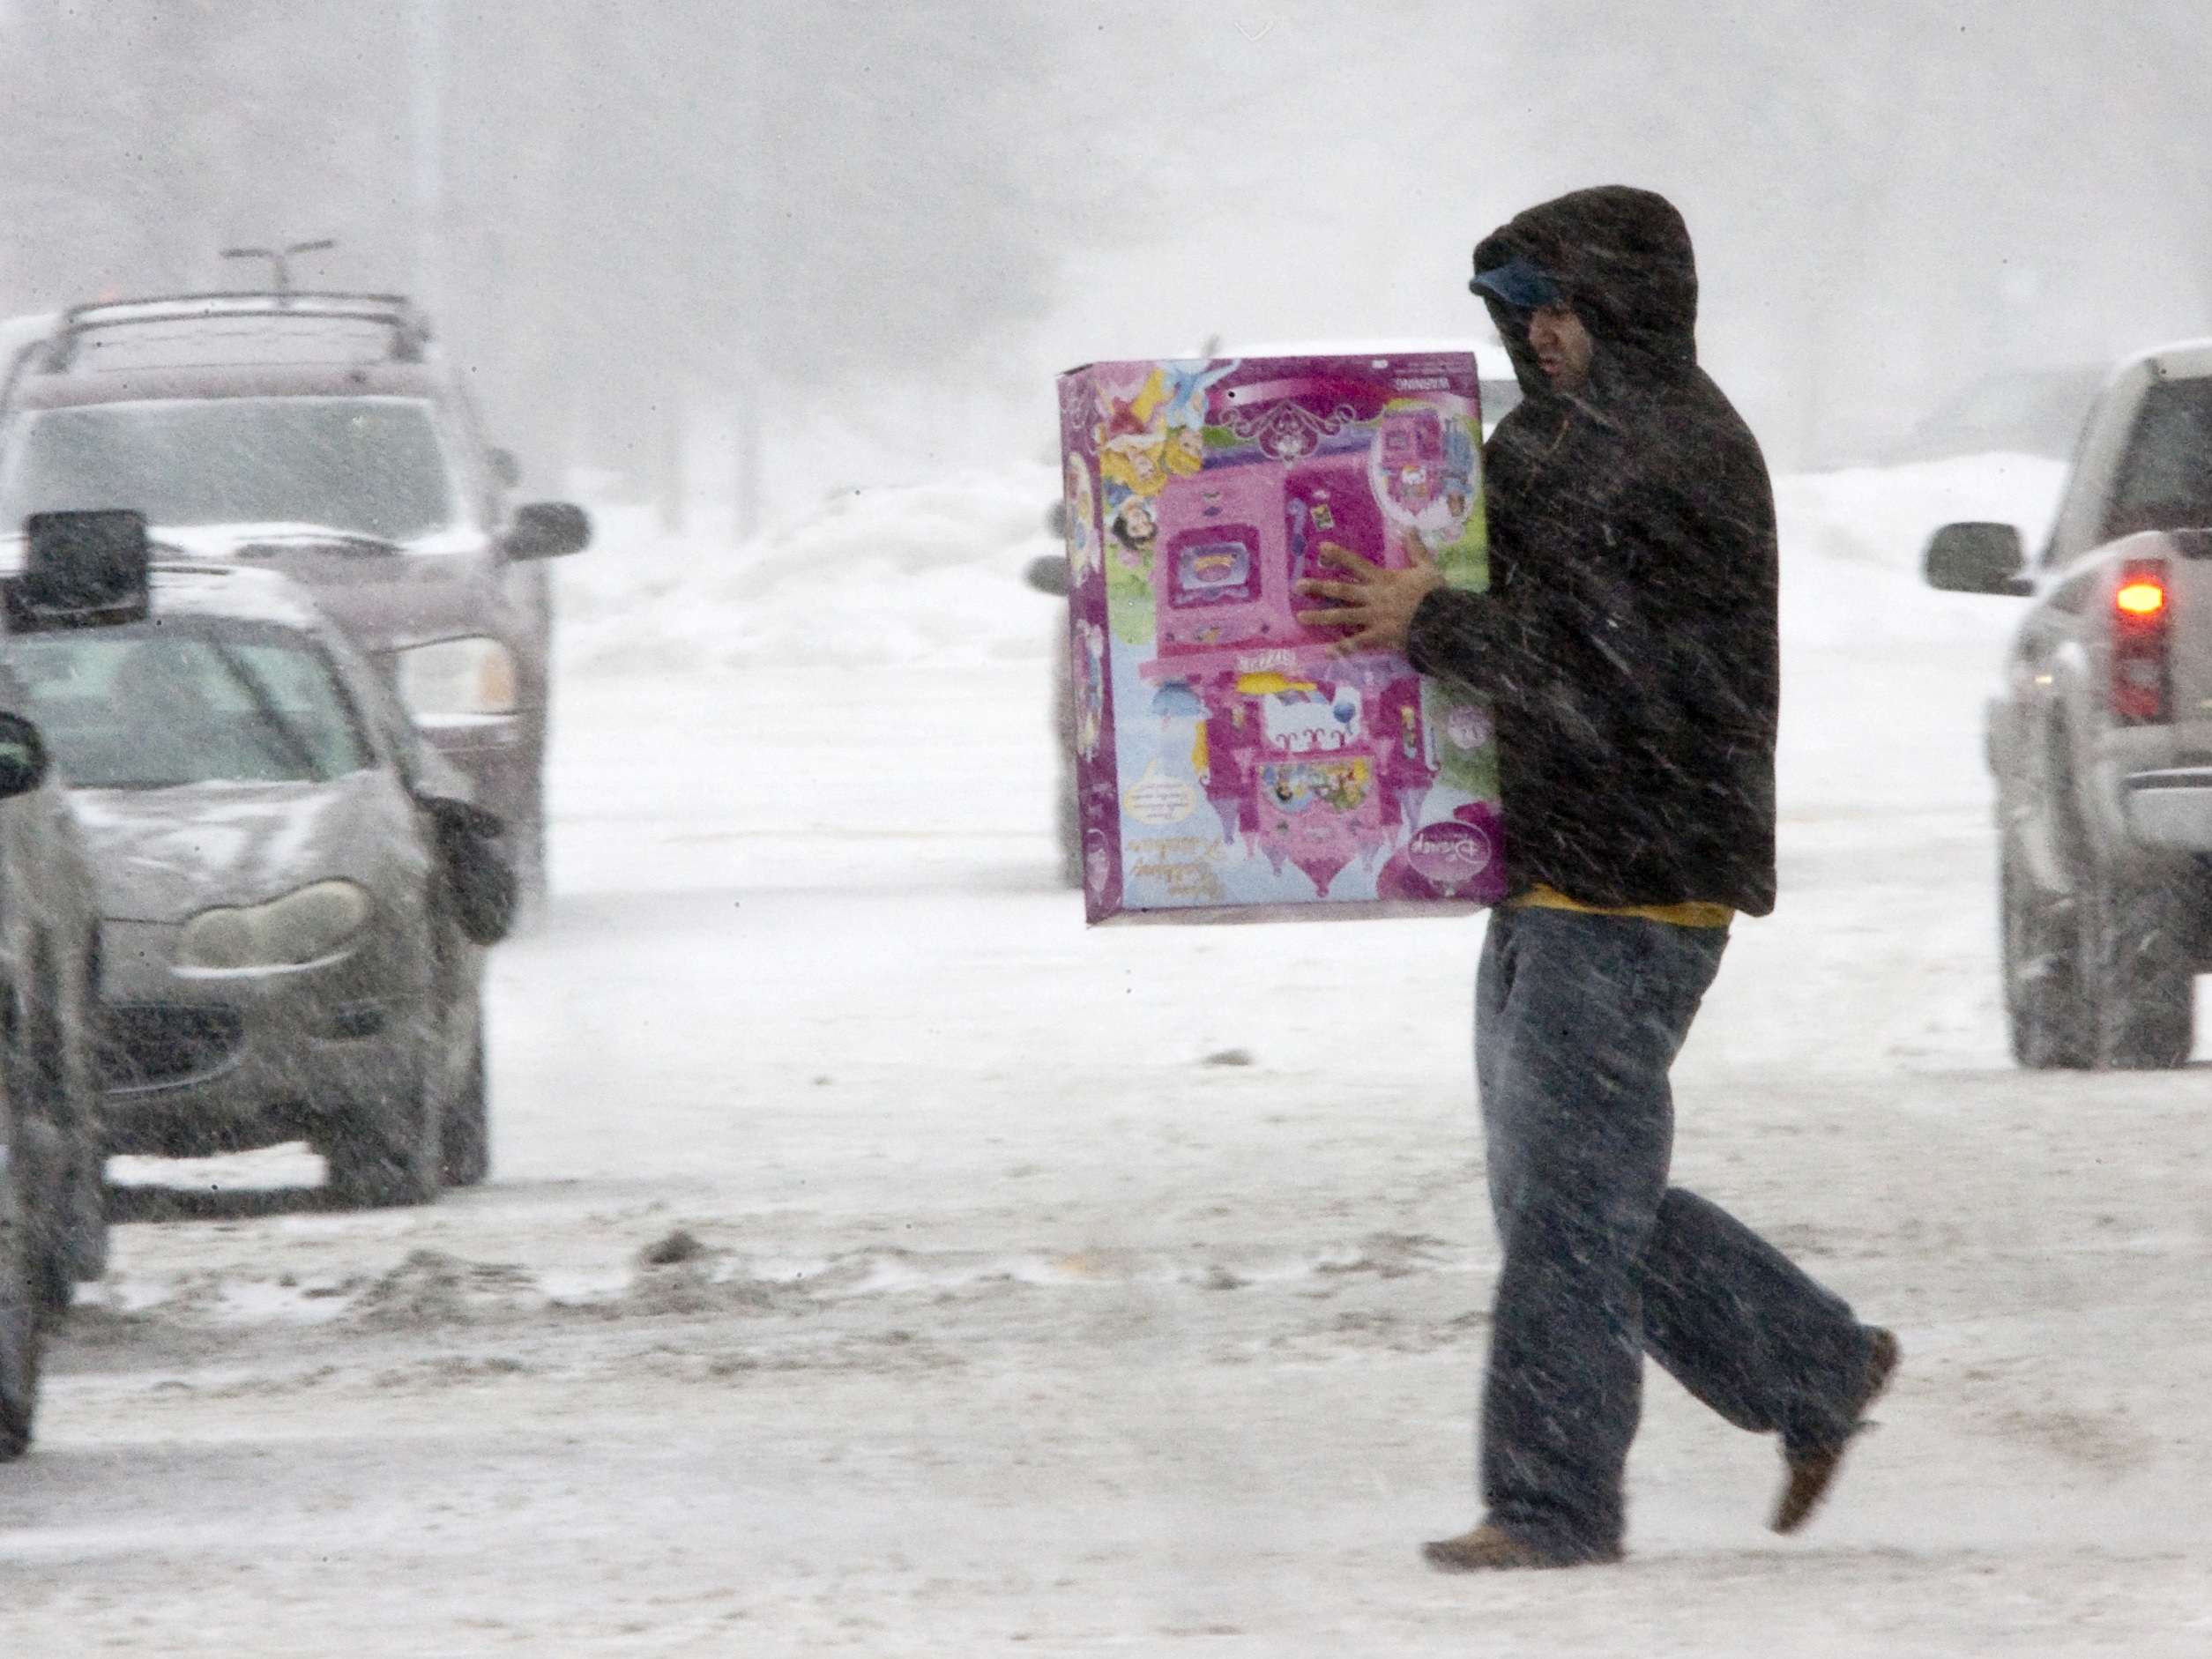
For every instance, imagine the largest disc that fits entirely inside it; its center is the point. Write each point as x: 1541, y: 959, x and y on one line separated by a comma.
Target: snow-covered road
x: 875, y: 1260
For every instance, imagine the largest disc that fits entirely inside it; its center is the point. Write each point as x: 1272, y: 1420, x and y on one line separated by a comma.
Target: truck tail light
x: 2142, y: 680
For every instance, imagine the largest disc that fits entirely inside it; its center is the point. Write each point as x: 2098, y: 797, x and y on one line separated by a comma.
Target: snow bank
x: 1851, y: 543
x: 931, y: 574
x: 898, y: 575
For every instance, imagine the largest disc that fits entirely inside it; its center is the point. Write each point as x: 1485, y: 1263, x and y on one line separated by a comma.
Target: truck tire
x: 2138, y: 968
x: 2045, y: 1013
x: 87, y: 1204
x: 465, y: 1130
x: 386, y: 1153
x: 19, y: 1332
x: 47, y: 1158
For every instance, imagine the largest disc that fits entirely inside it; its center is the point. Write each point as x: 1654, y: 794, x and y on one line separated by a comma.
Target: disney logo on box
x: 1451, y: 853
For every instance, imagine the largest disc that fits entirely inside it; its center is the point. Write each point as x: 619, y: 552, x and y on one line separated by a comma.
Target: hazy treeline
x: 628, y: 215
x: 615, y: 209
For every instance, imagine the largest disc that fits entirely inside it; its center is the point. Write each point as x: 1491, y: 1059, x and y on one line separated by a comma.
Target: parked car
x: 2101, y: 735
x: 295, y: 889
x: 317, y: 434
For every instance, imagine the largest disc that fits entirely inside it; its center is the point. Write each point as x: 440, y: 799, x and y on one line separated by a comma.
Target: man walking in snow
x: 1628, y: 647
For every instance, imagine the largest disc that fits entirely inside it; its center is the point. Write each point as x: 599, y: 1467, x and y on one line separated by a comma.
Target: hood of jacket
x: 1622, y: 258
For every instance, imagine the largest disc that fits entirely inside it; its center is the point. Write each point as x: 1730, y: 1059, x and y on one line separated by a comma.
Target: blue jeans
x: 1577, y: 1019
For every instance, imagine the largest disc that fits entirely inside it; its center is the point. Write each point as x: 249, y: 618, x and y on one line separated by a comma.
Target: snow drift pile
x: 891, y: 578
x: 931, y: 574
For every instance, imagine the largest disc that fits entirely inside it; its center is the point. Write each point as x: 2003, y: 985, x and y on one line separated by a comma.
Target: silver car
x: 287, y: 952
x: 322, y: 436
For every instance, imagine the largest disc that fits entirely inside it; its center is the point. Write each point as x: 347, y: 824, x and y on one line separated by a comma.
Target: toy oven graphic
x: 1219, y: 578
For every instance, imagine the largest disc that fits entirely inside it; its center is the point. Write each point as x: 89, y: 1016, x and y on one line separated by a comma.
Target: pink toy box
x: 1228, y: 768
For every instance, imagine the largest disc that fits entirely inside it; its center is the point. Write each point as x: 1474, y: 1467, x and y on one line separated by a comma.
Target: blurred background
x: 725, y: 259
x: 870, y: 1249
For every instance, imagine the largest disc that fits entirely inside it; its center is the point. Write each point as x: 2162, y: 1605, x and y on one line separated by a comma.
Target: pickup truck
x: 2101, y: 737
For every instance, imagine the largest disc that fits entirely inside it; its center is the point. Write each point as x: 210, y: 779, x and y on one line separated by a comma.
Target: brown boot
x: 1810, y: 1473
x: 1488, y: 1548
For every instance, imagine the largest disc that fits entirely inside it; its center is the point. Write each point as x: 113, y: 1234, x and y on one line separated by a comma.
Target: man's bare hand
x: 1378, y: 604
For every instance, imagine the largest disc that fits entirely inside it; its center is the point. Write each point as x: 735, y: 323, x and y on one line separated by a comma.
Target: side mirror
x: 1976, y: 558
x: 22, y: 756
x: 506, y: 470
x: 462, y: 817
x: 548, y: 530
x: 80, y: 570
x: 478, y: 885
x: 1048, y: 573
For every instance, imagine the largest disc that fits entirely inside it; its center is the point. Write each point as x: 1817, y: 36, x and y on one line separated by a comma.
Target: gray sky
x: 648, y: 217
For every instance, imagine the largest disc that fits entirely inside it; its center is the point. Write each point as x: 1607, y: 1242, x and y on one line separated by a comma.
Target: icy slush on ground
x: 875, y: 1262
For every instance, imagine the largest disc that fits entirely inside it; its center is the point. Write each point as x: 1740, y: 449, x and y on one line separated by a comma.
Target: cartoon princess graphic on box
x: 1134, y: 460
x: 1159, y: 434
x: 1082, y: 529
x: 1132, y: 529
x: 1089, y: 644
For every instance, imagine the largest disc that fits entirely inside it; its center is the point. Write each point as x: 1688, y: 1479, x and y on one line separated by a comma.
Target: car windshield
x: 373, y: 467
x: 157, y: 704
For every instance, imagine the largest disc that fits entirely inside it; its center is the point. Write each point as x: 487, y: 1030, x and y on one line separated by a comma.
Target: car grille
x: 149, y: 1047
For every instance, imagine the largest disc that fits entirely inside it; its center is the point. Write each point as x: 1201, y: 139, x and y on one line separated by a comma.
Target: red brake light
x: 2140, y: 598
x: 2142, y: 686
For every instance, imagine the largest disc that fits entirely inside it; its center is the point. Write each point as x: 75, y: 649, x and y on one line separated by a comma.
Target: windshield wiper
x: 348, y: 540
x: 271, y: 715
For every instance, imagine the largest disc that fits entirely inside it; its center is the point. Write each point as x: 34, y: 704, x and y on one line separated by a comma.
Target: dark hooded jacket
x: 1627, y: 643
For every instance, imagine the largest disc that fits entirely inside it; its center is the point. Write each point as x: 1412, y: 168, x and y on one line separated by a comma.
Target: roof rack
x: 410, y: 329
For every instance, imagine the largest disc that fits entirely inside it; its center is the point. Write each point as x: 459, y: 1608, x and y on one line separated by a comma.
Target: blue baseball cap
x: 1519, y: 283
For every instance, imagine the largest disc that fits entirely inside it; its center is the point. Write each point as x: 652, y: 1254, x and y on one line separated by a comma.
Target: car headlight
x: 299, y: 927
x: 458, y: 676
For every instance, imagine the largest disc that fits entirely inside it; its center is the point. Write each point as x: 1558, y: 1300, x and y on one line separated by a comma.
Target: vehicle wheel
x: 2044, y: 1010
x: 53, y: 1287
x: 20, y: 1336
x: 2137, y: 967
x: 467, y: 1127
x: 87, y: 1223
x: 46, y: 1155
x: 41, y: 1157
x: 85, y: 1246
x: 386, y: 1154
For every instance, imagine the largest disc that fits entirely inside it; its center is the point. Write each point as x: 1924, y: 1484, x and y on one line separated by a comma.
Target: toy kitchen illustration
x: 1229, y: 766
